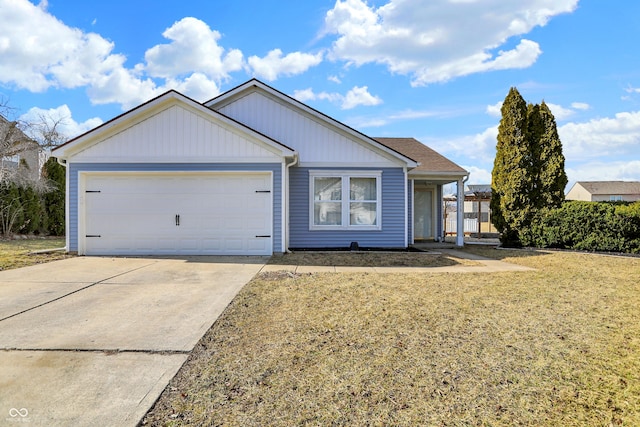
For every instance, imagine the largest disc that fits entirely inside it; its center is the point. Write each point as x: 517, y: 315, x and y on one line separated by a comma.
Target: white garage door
x: 174, y: 213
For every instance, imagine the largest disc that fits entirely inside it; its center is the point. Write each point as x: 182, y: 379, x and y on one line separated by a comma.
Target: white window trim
x: 345, y: 175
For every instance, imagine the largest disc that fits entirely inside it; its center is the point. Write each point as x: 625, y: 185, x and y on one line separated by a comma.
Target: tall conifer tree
x: 511, y: 176
x: 528, y: 171
x: 552, y: 176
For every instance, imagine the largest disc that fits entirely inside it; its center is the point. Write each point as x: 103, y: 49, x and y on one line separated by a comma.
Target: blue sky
x: 436, y: 70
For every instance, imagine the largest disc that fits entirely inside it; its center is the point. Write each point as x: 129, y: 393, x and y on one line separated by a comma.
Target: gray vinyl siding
x: 76, y: 168
x: 392, y: 234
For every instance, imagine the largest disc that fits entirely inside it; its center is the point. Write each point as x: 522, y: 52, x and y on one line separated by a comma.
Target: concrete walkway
x: 486, y: 265
x: 92, y: 341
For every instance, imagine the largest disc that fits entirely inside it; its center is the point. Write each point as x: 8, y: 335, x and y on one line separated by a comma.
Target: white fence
x: 470, y: 225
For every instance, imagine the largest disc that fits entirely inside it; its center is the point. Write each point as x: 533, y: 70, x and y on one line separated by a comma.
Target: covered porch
x: 425, y: 194
x: 426, y: 208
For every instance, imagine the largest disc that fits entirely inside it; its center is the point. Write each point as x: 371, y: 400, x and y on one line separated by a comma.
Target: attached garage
x: 176, y: 213
x: 172, y: 177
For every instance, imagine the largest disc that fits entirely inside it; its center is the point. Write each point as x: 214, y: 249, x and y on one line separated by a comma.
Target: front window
x: 327, y: 196
x: 345, y: 200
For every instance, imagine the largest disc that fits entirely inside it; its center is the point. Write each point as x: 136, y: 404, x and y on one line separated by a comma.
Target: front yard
x: 555, y: 346
x: 19, y: 253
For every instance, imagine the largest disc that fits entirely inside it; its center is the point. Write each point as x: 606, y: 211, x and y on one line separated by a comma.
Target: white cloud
x: 580, y: 105
x: 619, y: 135
x: 197, y: 86
x: 495, y: 110
x: 478, y: 175
x: 304, y: 95
x: 33, y: 59
x: 308, y: 94
x: 355, y: 97
x: 193, y: 62
x: 67, y: 126
x: 194, y: 48
x: 605, y: 171
x: 334, y: 79
x: 480, y: 147
x: 523, y: 56
x: 123, y: 87
x: 437, y: 40
x: 274, y: 64
x: 559, y: 112
x: 359, y: 96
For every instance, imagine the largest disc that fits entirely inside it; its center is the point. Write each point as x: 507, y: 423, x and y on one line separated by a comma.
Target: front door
x: 423, y: 214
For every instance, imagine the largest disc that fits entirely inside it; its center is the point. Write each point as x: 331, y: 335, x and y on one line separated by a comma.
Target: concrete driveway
x: 93, y: 341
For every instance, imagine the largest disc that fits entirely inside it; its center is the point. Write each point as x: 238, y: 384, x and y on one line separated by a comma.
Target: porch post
x: 460, y: 214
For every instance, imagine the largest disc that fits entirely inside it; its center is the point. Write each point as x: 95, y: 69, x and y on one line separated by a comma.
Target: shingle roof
x: 611, y: 187
x: 430, y: 160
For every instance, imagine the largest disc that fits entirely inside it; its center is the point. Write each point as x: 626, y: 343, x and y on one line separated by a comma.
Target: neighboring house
x: 251, y: 172
x: 16, y: 148
x: 605, y: 191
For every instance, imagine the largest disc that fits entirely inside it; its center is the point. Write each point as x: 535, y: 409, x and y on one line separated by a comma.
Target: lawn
x: 18, y: 253
x: 556, y: 346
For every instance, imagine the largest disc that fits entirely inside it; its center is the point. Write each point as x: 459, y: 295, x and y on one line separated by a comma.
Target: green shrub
x: 590, y: 226
x: 53, y: 199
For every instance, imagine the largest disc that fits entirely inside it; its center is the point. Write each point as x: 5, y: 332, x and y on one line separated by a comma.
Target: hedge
x: 34, y: 208
x: 589, y: 226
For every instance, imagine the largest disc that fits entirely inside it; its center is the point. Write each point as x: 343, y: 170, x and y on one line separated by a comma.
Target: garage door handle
x: 177, y: 220
x: 264, y: 235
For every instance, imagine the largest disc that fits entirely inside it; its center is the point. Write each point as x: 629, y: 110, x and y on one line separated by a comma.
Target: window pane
x: 362, y: 213
x: 363, y: 188
x: 327, y: 188
x: 327, y: 213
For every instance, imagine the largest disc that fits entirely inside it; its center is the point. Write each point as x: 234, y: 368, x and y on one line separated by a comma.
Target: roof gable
x: 172, y: 128
x: 318, y: 138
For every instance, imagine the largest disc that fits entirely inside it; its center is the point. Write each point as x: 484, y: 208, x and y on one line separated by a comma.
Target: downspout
x: 285, y: 209
x: 460, y: 212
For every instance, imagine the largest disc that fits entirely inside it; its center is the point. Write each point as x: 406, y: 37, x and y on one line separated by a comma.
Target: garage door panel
x: 218, y: 214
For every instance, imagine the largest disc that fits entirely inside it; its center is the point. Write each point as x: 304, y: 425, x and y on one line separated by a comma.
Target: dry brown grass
x: 555, y: 346
x: 18, y: 253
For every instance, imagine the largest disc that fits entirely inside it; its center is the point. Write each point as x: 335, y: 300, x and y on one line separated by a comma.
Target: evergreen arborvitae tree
x: 32, y: 210
x: 552, y: 176
x: 511, y: 178
x: 53, y: 199
x: 528, y: 172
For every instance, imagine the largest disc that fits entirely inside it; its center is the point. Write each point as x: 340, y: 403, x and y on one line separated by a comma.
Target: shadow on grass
x: 499, y: 253
x: 367, y: 259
